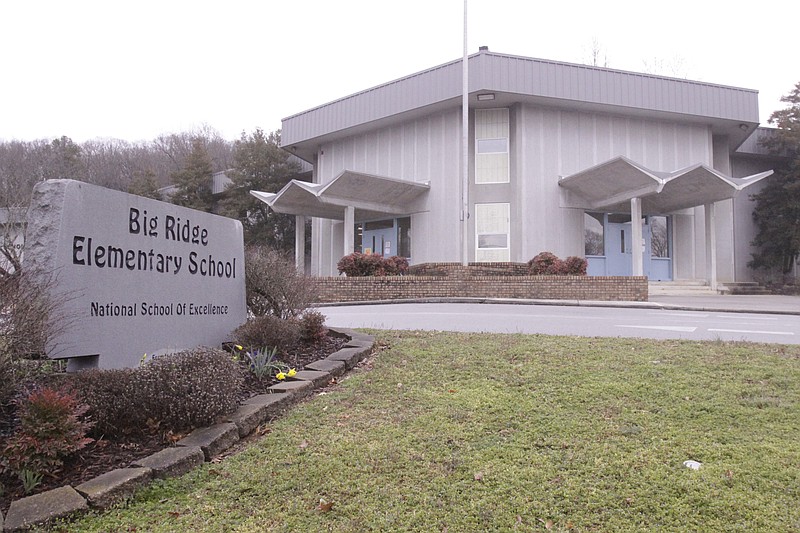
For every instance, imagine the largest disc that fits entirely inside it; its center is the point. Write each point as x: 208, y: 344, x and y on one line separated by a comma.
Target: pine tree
x: 777, y: 210
x: 194, y: 181
x: 145, y: 184
x: 261, y: 165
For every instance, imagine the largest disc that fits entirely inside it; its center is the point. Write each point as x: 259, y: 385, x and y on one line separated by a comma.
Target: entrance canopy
x: 610, y: 187
x: 371, y: 196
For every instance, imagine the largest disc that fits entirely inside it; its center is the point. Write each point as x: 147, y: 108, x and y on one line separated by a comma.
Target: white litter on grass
x: 694, y: 465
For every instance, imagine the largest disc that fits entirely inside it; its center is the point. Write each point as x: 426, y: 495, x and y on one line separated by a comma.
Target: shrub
x: 269, y: 331
x: 7, y: 381
x: 575, y: 266
x: 110, y: 395
x: 190, y: 388
x: 273, y: 284
x: 28, y: 313
x: 359, y: 265
x: 50, y: 429
x: 179, y: 392
x: 546, y: 263
x: 395, y: 265
x: 312, y: 327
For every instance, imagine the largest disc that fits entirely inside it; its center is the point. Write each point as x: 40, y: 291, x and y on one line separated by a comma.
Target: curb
x: 201, y: 445
x: 566, y: 303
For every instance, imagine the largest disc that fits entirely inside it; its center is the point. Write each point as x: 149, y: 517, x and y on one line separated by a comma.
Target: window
x: 491, y: 146
x: 492, y: 223
x: 659, y: 237
x: 593, y: 237
x: 404, y: 237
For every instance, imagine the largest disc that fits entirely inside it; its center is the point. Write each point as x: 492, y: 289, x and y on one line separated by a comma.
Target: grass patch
x: 476, y: 432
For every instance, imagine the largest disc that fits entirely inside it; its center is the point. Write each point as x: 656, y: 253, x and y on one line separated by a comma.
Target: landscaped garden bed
x: 106, y: 454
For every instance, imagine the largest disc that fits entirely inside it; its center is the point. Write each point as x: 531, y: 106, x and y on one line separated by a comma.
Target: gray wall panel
x: 527, y: 77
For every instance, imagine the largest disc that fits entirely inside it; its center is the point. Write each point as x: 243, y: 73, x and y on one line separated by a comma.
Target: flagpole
x: 465, y: 149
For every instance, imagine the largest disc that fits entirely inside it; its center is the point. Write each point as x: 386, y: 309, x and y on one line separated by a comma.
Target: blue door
x: 656, y: 261
x: 618, y: 249
x: 380, y: 238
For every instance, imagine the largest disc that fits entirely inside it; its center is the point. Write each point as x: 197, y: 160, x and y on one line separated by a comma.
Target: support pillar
x: 711, y: 247
x: 300, y: 243
x: 637, y: 246
x: 349, y: 228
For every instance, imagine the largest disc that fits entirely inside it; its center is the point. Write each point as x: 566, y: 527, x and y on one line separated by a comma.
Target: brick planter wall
x: 456, y: 281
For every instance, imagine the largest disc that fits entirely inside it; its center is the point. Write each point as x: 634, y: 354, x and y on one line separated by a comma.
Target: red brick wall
x: 467, y: 282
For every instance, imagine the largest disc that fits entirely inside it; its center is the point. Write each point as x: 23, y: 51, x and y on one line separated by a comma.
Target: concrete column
x: 711, y: 247
x: 637, y: 246
x: 348, y: 229
x: 300, y: 243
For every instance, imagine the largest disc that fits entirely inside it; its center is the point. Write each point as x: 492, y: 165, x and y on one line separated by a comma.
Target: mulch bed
x: 105, y: 455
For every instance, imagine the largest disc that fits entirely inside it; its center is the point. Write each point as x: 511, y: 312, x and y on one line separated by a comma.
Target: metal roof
x: 372, y: 196
x: 729, y: 110
x: 610, y: 186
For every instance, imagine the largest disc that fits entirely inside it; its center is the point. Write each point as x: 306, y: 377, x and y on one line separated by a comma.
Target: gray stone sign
x: 135, y: 276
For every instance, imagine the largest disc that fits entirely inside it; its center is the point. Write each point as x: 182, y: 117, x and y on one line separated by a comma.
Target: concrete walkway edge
x: 760, y: 304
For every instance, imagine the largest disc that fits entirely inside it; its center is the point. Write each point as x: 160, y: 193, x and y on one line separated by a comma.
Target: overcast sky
x: 135, y: 69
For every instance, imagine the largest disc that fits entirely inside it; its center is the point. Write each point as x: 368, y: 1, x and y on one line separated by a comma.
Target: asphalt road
x: 570, y: 320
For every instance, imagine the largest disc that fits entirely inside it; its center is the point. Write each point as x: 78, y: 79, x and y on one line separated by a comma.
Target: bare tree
x: 597, y: 56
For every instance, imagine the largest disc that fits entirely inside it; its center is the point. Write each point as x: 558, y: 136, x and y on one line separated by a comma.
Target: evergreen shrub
x: 360, y: 265
x: 546, y: 263
x: 175, y: 392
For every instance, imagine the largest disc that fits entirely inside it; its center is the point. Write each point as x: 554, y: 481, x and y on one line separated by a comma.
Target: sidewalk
x: 784, y: 305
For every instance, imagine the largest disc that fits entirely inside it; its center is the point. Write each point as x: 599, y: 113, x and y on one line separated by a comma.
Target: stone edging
x: 199, y: 446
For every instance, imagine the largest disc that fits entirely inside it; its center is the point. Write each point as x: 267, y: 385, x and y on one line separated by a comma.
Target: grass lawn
x: 476, y: 432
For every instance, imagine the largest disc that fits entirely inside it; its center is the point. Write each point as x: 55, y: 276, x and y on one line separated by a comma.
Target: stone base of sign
x: 212, y: 440
x: 172, y: 462
x: 40, y: 508
x: 113, y: 486
x: 334, y: 368
x: 201, y: 444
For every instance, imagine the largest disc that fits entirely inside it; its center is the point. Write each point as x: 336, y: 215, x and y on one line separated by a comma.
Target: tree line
x: 186, y: 160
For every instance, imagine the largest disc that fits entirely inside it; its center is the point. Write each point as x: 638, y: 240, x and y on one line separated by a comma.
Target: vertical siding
x: 546, y: 143
x: 421, y: 150
x: 553, y: 143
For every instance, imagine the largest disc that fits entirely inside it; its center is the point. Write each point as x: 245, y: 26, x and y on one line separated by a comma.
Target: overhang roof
x: 372, y: 197
x: 610, y: 186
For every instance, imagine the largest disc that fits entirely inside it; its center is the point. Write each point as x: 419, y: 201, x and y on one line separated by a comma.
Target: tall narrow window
x: 491, y: 146
x: 492, y: 223
x: 593, y: 238
x: 659, y: 236
x: 404, y: 237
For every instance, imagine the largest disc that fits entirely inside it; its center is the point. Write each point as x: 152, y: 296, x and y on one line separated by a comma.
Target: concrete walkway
x: 783, y: 305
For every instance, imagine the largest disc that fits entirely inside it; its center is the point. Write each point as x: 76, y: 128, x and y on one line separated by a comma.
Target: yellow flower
x: 291, y: 373
x: 280, y: 376
x: 238, y: 347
